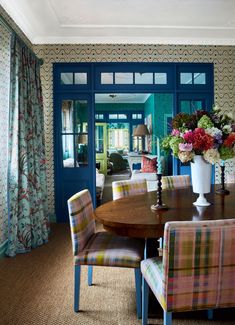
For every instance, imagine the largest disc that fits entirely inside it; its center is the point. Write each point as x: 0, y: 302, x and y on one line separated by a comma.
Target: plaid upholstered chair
x: 100, y: 248
x: 128, y: 187
x: 197, y: 270
x: 178, y: 181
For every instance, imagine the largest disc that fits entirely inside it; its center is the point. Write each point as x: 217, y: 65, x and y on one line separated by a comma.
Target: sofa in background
x: 100, y: 179
x: 118, y: 162
x: 148, y: 171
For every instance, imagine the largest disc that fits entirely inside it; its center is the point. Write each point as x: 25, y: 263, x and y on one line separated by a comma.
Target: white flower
x: 227, y: 129
x: 211, y: 155
x: 185, y: 156
x: 230, y: 115
x: 216, y: 108
x: 214, y: 132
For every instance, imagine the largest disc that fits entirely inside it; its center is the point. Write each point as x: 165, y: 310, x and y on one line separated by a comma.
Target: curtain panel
x: 27, y: 192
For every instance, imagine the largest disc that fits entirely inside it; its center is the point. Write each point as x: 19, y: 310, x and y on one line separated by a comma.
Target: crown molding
x: 134, y: 40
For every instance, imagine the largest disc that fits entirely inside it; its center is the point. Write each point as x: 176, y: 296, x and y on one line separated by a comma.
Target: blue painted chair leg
x: 210, y: 314
x: 138, y: 292
x: 145, y: 301
x: 77, y: 275
x: 90, y: 272
x: 167, y: 318
x: 145, y: 248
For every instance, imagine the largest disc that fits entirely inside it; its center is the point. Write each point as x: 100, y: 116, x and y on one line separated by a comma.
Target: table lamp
x: 140, y: 131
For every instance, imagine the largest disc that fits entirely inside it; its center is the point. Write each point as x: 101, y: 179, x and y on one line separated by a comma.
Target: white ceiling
x: 125, y: 21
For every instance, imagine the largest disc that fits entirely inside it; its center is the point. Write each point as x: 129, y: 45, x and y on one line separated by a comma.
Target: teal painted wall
x: 122, y: 107
x: 163, y: 108
x: 160, y: 106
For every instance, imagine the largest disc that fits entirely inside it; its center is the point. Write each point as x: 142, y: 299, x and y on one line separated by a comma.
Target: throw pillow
x: 149, y: 165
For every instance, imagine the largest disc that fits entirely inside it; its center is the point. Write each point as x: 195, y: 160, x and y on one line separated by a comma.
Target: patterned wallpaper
x: 223, y: 58
x: 4, y: 98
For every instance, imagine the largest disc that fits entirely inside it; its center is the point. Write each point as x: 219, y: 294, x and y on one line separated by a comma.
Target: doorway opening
x: 127, y: 126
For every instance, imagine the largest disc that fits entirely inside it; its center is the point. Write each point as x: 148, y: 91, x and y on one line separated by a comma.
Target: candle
x: 159, y: 164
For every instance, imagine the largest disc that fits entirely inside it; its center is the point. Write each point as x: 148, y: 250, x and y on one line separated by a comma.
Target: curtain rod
x: 10, y: 29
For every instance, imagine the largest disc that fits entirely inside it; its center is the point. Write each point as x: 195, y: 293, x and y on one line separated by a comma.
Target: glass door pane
x: 74, y: 133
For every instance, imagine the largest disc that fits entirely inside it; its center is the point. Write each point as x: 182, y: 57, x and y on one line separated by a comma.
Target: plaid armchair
x: 197, y: 270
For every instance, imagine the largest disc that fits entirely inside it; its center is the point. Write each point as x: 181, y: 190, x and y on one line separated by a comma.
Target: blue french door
x: 189, y: 103
x: 190, y: 86
x: 74, y: 148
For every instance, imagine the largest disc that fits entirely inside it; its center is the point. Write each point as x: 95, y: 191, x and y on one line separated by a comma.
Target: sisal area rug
x: 37, y: 288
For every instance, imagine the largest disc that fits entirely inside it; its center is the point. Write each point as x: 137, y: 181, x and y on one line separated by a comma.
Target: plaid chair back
x: 128, y: 187
x: 82, y: 223
x: 199, y: 265
x: 171, y: 182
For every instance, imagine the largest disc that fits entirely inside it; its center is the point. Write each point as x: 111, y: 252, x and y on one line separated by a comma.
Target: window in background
x: 118, y: 136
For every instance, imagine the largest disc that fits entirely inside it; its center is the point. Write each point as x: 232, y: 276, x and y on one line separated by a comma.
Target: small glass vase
x: 201, y: 179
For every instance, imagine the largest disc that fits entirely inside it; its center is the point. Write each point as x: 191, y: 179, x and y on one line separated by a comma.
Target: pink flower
x: 185, y: 146
x: 175, y: 132
x: 188, y: 136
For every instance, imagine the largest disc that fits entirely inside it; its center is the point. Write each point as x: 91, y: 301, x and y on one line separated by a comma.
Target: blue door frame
x: 70, y: 180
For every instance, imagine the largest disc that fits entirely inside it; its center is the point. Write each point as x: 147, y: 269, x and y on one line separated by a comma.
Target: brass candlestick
x: 159, y: 205
x: 222, y: 190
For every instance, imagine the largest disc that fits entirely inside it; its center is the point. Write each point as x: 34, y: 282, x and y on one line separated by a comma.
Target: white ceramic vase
x: 201, y: 179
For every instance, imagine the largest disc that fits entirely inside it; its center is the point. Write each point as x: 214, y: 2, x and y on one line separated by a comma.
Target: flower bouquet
x: 209, y: 134
x: 203, y: 138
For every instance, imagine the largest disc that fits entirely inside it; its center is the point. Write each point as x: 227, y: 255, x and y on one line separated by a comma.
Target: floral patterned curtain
x: 28, y: 217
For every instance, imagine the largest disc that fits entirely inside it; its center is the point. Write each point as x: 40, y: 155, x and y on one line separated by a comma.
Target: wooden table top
x: 133, y: 217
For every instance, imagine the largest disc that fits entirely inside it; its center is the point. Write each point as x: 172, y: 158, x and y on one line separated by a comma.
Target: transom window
x: 117, y: 116
x: 195, y: 78
x: 133, y: 78
x: 137, y: 116
x: 99, y: 116
x: 76, y: 78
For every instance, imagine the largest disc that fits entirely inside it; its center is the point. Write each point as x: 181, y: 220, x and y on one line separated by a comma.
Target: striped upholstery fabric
x: 99, y: 248
x: 171, y: 182
x: 82, y: 223
x: 128, y: 187
x: 104, y: 249
x: 197, y: 270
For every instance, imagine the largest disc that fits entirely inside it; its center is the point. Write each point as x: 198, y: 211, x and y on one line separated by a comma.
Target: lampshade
x: 82, y: 138
x: 134, y: 132
x: 141, y: 131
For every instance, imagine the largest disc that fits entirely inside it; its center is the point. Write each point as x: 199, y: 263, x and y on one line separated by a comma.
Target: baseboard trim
x: 3, y: 248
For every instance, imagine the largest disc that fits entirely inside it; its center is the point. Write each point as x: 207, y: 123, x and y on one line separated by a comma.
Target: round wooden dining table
x: 132, y: 216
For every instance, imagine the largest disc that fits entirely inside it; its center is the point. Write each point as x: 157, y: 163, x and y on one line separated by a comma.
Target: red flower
x: 202, y: 141
x: 189, y: 137
x: 230, y: 141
